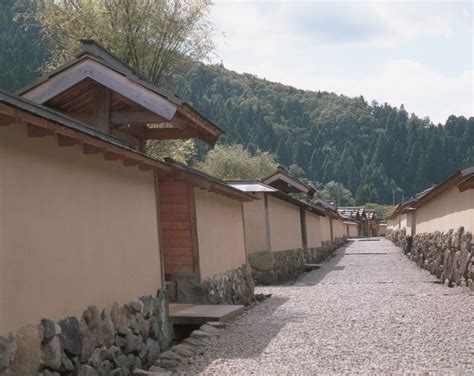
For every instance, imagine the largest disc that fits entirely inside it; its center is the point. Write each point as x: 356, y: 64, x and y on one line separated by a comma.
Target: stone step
x: 199, y: 314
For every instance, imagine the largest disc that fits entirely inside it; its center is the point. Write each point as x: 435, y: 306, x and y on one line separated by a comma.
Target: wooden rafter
x: 35, y: 131
x: 466, y: 184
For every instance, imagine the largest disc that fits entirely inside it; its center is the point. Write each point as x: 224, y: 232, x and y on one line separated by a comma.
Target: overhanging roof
x: 287, y: 183
x: 206, y: 181
x: 463, y: 179
x: 95, y: 63
x: 253, y: 186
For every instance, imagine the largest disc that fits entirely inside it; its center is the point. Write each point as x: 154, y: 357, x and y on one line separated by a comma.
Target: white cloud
x: 357, y: 48
x: 421, y: 89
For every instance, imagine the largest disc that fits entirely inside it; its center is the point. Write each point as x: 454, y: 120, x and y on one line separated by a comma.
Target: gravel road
x: 369, y: 310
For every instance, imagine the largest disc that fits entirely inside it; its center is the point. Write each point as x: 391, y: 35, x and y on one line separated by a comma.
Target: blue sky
x: 416, y: 53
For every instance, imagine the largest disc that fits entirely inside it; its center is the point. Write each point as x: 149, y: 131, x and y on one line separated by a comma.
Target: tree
x: 154, y: 37
x: 337, y: 193
x: 234, y: 162
x: 366, y: 193
x: 296, y: 171
x: 181, y: 151
x: 23, y: 52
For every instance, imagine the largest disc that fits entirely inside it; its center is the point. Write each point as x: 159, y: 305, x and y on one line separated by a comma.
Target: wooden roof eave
x: 176, y: 113
x: 210, y: 184
x: 446, y: 184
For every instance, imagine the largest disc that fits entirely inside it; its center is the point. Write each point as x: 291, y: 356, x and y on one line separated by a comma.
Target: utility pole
x: 393, y: 196
x: 338, y: 194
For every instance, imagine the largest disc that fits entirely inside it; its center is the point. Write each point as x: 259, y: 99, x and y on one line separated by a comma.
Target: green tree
x: 338, y: 194
x: 23, y: 51
x: 154, y: 37
x: 234, y: 162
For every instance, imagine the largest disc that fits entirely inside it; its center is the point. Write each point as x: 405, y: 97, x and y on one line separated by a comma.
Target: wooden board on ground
x: 199, y: 314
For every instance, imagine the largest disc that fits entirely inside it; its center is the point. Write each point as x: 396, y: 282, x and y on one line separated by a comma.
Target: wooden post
x: 304, y: 233
x: 330, y: 227
x: 195, y: 239
x: 158, y: 218
x: 267, y: 223
x: 102, y: 108
x: 243, y: 229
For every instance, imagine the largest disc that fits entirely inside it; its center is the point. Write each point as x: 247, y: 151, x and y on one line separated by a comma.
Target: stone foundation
x: 112, y: 342
x: 232, y: 287
x: 318, y: 254
x: 285, y: 266
x: 275, y: 267
x: 448, y: 255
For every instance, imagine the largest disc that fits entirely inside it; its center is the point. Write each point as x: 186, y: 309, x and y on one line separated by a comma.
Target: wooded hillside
x: 370, y: 147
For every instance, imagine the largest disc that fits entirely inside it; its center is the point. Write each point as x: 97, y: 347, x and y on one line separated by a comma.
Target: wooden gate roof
x: 133, y: 101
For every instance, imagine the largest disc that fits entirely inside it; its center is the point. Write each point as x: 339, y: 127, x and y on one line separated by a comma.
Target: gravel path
x: 369, y: 310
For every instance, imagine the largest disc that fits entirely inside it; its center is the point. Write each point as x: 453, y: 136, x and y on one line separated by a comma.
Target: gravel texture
x: 369, y: 310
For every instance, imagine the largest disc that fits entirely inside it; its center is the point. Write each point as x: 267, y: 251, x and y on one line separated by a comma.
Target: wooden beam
x: 145, y: 167
x: 91, y: 149
x: 101, y: 110
x: 68, y: 141
x: 466, y: 184
x: 136, y: 117
x: 110, y: 156
x: 85, y: 117
x: 89, y: 68
x: 6, y: 120
x: 35, y: 131
x: 268, y: 236
x: 129, y: 162
x: 194, y: 232
x: 132, y: 140
x: 169, y: 134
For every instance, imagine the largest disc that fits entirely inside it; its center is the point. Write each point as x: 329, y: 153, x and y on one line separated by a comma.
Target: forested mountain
x: 22, y: 51
x: 373, y: 149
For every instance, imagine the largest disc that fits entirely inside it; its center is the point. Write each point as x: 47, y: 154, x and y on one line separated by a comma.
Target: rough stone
x: 86, y: 370
x: 209, y: 329
x: 28, y: 351
x: 4, y: 353
x: 87, y: 340
x: 49, y: 330
x: 51, y: 355
x: 152, y: 350
x: 92, y: 317
x: 200, y: 334
x: 135, y: 306
x: 107, y: 329
x: 446, y: 255
x: 183, y: 350
x: 261, y: 261
x: 66, y: 363
x: 133, y: 343
x: 71, y: 336
x: 121, y: 324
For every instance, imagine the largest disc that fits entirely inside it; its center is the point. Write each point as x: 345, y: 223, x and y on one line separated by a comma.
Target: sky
x: 416, y: 53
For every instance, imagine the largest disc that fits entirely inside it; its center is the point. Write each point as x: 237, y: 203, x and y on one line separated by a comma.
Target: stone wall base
x: 327, y: 249
x: 447, y: 255
x: 112, y: 341
x: 285, y: 266
x: 232, y: 287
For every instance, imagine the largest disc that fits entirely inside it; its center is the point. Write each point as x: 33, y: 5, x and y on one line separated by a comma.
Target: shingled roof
x: 94, y: 64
